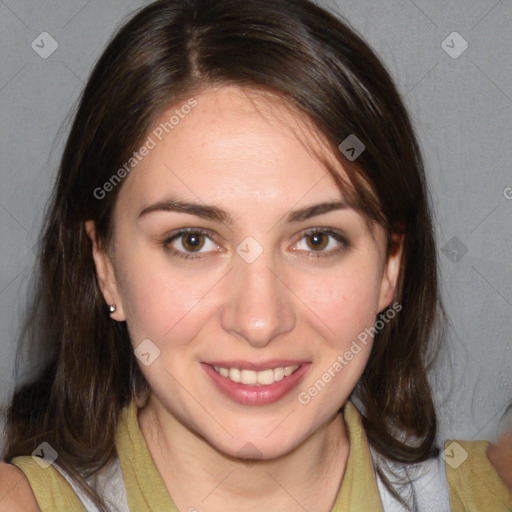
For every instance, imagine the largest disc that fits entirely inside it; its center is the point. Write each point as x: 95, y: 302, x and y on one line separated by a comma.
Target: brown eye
x: 320, y: 242
x: 317, y: 241
x: 192, y: 241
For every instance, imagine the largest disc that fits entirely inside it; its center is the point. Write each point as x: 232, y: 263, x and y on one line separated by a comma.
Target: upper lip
x: 266, y: 365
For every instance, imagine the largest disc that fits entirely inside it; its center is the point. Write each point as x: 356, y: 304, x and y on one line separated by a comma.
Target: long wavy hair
x: 167, y: 52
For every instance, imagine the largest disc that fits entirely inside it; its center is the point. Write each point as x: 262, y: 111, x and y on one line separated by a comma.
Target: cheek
x: 162, y: 304
x: 345, y: 301
x: 342, y: 308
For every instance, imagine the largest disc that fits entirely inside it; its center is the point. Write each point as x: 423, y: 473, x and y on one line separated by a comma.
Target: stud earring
x: 112, y: 308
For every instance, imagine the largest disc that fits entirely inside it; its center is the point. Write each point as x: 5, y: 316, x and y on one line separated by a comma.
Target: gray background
x: 461, y: 108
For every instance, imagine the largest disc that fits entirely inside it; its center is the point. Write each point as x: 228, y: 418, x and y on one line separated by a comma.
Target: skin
x: 251, y: 156
x: 500, y: 456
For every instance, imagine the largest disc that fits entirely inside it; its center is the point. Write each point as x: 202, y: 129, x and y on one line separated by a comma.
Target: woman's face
x: 249, y: 287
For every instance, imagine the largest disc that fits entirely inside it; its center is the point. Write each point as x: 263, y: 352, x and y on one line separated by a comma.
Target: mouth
x: 251, y: 384
x: 256, y: 378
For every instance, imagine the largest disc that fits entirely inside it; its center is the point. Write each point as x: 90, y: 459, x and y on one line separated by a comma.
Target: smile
x: 250, y: 384
x: 261, y: 378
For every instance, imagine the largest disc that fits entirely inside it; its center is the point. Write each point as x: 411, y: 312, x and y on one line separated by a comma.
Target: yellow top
x: 473, y: 483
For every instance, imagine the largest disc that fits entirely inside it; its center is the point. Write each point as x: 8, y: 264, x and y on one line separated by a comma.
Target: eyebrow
x: 217, y: 214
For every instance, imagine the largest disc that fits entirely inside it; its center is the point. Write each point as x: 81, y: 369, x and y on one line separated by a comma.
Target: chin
x: 259, y: 446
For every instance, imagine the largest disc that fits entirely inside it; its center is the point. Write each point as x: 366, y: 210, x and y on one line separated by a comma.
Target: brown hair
x: 168, y: 51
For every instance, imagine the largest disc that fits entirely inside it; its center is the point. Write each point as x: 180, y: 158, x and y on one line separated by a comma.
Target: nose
x: 259, y: 306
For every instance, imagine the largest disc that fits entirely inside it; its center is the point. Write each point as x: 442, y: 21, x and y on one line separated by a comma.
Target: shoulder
x: 48, y: 485
x: 16, y: 494
x: 473, y: 481
x: 500, y: 455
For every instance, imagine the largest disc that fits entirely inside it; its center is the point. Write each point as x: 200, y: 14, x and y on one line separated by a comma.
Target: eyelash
x: 344, y: 244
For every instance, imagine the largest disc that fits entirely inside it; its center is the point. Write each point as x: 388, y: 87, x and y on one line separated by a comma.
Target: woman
x: 238, y: 252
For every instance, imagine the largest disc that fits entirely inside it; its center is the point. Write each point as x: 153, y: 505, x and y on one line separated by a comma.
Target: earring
x: 112, y: 308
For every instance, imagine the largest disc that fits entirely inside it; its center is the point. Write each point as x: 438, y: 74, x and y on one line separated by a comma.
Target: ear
x: 391, y: 271
x: 105, y: 273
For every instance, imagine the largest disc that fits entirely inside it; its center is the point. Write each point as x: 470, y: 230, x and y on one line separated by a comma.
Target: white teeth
x: 251, y: 377
x: 278, y: 374
x: 234, y: 374
x: 289, y: 370
x: 266, y: 377
x: 248, y: 377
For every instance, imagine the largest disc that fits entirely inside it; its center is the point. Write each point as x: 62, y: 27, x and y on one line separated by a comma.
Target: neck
x: 197, y: 475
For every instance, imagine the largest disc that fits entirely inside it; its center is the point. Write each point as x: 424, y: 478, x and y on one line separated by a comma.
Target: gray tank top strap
x: 108, y: 483
x: 428, y: 489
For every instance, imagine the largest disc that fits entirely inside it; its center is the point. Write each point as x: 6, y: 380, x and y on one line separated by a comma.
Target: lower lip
x: 256, y: 395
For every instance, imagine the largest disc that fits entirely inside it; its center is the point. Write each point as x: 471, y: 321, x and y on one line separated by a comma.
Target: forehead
x: 236, y: 145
